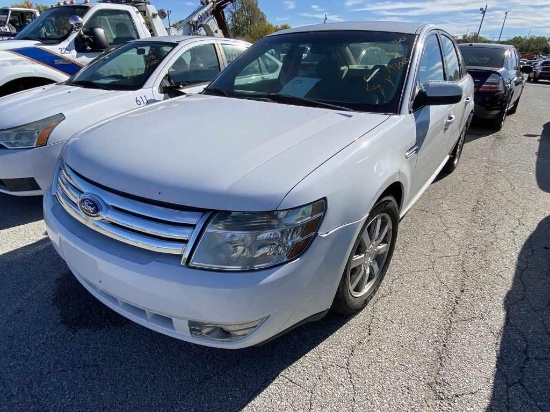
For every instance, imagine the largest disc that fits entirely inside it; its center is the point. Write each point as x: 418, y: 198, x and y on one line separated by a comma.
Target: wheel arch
x: 23, y: 83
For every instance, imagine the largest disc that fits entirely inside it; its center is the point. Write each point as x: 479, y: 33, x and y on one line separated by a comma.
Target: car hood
x: 15, y: 44
x: 214, y: 152
x: 38, y: 103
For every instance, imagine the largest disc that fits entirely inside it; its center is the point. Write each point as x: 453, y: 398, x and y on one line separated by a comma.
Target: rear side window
x: 196, y: 65
x: 451, y: 58
x: 431, y: 65
x: 483, y: 56
x: 117, y: 24
x: 232, y: 51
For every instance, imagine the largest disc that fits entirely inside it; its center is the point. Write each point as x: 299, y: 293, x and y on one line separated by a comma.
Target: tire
x: 369, y: 259
x: 452, y: 163
x: 535, y: 79
x: 514, y: 107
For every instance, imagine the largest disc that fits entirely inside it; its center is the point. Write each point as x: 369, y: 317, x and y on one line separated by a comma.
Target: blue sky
x: 457, y: 16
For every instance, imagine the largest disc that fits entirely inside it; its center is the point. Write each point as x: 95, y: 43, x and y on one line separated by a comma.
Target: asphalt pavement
x: 461, y: 322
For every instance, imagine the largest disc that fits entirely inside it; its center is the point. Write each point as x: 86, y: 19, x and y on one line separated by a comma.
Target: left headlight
x: 33, y: 134
x: 240, y: 241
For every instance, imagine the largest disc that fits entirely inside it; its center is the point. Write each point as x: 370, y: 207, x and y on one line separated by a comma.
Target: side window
x: 196, y: 65
x: 451, y: 59
x: 431, y: 65
x: 232, y: 51
x: 117, y: 24
x: 511, y: 61
x: 271, y: 64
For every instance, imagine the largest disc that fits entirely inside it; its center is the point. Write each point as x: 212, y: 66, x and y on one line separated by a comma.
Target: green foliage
x: 26, y: 4
x: 524, y: 44
x: 473, y: 38
x: 248, y: 22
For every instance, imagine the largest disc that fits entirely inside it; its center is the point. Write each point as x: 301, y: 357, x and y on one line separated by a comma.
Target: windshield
x: 483, y: 56
x: 358, y: 70
x: 126, y: 68
x: 53, y: 25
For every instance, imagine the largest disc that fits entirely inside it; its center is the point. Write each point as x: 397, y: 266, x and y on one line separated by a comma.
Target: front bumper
x: 36, y: 164
x: 159, y: 293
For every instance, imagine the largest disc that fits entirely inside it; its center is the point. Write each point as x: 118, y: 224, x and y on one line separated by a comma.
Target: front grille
x: 158, y: 228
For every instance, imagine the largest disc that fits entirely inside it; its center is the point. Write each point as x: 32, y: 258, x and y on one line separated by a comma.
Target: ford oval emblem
x: 90, y: 206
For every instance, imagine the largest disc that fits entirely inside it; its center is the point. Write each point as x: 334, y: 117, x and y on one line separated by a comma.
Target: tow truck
x: 66, y: 37
x: 15, y: 19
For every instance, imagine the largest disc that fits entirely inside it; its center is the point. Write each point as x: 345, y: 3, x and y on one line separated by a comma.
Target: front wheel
x: 369, y: 258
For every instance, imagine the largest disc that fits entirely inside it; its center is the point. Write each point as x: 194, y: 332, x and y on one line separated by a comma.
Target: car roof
x: 487, y: 45
x: 179, y: 39
x: 385, y: 26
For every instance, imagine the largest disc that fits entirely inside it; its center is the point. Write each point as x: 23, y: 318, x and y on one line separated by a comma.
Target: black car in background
x: 497, y: 78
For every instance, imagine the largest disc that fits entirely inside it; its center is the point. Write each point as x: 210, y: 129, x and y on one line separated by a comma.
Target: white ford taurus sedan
x: 275, y: 194
x: 35, y: 124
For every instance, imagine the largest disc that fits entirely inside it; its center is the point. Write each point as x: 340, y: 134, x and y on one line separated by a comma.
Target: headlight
x: 31, y: 134
x: 241, y: 241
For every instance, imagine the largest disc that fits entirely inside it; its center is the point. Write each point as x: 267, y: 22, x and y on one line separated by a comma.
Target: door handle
x: 411, y: 151
x: 468, y: 99
x: 450, y: 119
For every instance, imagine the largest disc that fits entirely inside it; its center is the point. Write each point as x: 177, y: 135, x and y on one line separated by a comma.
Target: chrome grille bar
x: 133, y: 206
x: 156, y: 228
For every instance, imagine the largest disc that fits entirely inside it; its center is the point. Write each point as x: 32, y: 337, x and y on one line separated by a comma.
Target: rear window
x: 483, y: 56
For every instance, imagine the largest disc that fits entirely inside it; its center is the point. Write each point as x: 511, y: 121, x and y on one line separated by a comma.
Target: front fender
x: 13, y: 67
x: 354, y: 179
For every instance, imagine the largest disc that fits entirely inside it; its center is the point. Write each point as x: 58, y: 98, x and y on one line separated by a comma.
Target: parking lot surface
x: 461, y: 321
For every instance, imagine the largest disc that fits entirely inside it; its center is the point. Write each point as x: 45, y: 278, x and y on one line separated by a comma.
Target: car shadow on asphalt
x: 543, y: 159
x: 522, y: 376
x: 17, y: 211
x: 477, y: 130
x: 64, y: 347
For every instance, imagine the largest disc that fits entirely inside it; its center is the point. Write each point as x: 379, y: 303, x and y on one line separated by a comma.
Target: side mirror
x: 75, y: 21
x: 168, y: 87
x: 438, y: 93
x: 94, y: 40
x: 99, y: 38
x: 526, y: 69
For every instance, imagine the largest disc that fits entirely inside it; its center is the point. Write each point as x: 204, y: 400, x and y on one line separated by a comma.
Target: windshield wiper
x: 218, y: 91
x: 287, y: 98
x: 88, y: 84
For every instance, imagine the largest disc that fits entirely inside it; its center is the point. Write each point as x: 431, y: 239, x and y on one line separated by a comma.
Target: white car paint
x: 55, y: 61
x: 253, y: 156
x: 82, y: 107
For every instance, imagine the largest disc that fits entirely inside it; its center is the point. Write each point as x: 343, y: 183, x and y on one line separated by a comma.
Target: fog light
x: 223, y: 332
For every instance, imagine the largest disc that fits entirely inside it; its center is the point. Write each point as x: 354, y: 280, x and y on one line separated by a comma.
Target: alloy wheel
x: 370, y: 255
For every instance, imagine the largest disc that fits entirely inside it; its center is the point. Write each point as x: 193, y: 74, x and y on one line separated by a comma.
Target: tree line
x: 524, y: 44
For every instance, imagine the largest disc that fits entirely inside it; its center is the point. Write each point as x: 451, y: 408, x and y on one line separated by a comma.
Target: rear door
x: 456, y: 72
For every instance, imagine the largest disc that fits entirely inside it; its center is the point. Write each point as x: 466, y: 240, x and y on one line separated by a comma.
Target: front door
x: 434, y: 124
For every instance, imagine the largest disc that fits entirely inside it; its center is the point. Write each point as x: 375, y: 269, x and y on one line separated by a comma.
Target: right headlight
x: 240, y: 241
x: 29, y: 135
